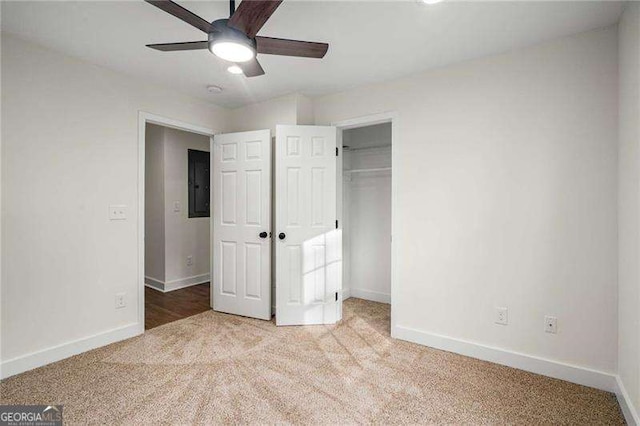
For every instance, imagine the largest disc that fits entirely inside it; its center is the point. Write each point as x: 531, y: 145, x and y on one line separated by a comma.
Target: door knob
x: 263, y: 234
x: 282, y: 235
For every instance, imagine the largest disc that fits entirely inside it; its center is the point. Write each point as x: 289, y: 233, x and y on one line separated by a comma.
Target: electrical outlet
x: 176, y: 206
x: 120, y: 302
x: 189, y: 260
x: 117, y: 212
x: 502, y: 316
x: 550, y: 324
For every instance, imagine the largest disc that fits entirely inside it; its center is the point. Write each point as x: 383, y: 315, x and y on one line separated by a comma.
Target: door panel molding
x: 241, y: 258
x: 309, y: 256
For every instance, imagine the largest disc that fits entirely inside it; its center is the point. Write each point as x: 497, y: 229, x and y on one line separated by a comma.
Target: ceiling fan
x: 235, y: 39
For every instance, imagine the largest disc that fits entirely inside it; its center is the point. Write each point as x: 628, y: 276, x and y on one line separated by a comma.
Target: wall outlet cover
x: 117, y: 212
x: 120, y: 301
x: 550, y: 324
x: 502, y: 316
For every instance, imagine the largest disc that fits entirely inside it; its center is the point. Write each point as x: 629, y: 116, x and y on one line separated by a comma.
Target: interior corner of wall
x: 304, y: 110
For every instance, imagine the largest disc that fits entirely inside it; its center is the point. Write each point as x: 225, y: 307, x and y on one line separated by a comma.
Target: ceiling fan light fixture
x: 232, y: 46
x: 235, y: 39
x: 232, y: 51
x: 234, y: 69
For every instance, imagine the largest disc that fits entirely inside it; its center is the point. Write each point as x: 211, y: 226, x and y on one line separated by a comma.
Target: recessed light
x: 431, y: 1
x: 214, y: 89
x: 234, y: 69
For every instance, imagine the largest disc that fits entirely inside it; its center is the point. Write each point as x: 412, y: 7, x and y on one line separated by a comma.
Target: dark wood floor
x: 161, y: 308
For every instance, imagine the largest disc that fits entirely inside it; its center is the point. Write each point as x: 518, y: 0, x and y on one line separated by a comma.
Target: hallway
x: 161, y: 308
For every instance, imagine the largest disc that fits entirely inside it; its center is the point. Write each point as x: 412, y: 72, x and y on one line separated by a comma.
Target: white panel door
x: 308, y: 245
x: 241, y: 246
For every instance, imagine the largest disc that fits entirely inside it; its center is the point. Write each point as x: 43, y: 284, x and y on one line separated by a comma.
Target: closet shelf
x: 379, y: 169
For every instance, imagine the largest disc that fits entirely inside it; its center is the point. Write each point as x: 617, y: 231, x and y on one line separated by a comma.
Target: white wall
x: 185, y: 236
x: 506, y: 177
x: 72, y: 128
x: 290, y: 109
x: 629, y: 205
x: 304, y: 110
x: 265, y: 115
x: 154, y: 224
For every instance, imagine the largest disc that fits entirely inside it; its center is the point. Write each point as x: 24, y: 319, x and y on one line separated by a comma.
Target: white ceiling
x: 369, y: 41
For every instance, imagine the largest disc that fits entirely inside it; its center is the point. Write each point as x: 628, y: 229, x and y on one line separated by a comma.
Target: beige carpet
x: 216, y: 368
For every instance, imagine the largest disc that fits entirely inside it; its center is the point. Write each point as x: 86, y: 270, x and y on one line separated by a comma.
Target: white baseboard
x: 154, y: 283
x: 571, y: 373
x: 626, y: 405
x: 346, y: 293
x: 374, y: 296
x: 56, y: 353
x: 176, y: 284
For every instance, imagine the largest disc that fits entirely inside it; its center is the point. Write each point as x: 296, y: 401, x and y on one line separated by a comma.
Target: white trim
x: 154, y: 283
x: 211, y: 222
x: 65, y: 350
x: 559, y: 370
x: 143, y: 119
x: 172, y: 285
x: 626, y: 404
x: 374, y: 296
x: 346, y: 293
x: 175, y: 124
x: 366, y: 120
x: 370, y: 120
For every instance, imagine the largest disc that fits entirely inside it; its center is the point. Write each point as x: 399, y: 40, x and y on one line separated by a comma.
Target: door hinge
x: 336, y: 223
x: 336, y: 151
x: 336, y: 296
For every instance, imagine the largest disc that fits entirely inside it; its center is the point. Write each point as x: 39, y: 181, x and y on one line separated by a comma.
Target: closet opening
x: 174, y: 219
x: 366, y: 215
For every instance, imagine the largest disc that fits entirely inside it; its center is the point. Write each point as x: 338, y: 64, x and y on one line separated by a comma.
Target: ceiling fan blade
x: 251, y: 68
x: 187, y: 45
x: 284, y: 47
x: 251, y: 15
x: 183, y: 14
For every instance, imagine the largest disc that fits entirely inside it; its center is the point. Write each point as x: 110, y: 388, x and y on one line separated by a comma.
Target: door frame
x: 363, y: 121
x: 143, y: 119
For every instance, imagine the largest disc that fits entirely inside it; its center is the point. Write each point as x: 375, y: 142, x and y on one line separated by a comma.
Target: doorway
x: 175, y: 183
x: 366, y: 219
x: 366, y: 210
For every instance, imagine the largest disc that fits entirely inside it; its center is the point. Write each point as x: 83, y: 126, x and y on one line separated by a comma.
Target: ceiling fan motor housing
x: 228, y: 34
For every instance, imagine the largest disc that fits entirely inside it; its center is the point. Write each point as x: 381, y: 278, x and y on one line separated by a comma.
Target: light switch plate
x: 117, y: 212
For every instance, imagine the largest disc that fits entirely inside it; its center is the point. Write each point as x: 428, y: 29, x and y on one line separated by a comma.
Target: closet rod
x: 347, y: 148
x: 379, y: 169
